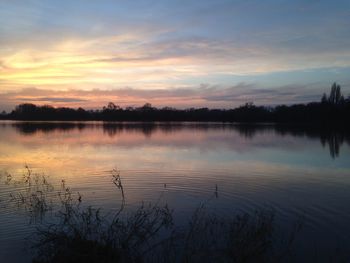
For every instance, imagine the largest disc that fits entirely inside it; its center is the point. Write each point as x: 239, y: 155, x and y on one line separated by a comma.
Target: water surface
x: 299, y: 172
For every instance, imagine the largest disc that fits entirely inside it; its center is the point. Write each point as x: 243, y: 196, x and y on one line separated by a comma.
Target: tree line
x: 332, y: 108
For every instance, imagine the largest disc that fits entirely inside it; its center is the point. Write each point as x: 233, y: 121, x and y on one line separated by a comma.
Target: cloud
x: 117, y: 44
x: 165, y: 49
x: 50, y: 99
x: 205, y: 95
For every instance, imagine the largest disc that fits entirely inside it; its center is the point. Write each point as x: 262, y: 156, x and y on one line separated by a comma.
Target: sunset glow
x: 171, y: 53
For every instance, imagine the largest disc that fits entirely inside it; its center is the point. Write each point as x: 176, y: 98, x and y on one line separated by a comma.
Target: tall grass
x: 32, y: 191
x: 85, y: 234
x: 149, y: 234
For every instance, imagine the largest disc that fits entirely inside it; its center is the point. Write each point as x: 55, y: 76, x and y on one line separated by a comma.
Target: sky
x: 184, y: 53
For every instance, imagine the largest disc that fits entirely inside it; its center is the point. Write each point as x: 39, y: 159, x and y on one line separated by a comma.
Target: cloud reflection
x: 208, y: 135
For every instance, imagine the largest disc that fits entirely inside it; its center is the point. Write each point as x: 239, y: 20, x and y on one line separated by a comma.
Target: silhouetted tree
x: 111, y: 106
x: 332, y: 109
x: 324, y: 98
x: 147, y: 106
x: 335, y: 96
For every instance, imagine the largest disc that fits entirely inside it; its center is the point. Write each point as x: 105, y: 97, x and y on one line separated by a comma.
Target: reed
x: 82, y: 233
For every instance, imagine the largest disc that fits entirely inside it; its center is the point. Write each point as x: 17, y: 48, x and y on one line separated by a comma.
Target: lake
x: 302, y: 173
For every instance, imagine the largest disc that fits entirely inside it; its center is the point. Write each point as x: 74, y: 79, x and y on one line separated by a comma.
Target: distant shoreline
x: 331, y: 110
x: 314, y: 114
x: 52, y: 124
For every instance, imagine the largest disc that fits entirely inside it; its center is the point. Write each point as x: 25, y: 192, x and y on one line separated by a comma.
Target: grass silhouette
x: 148, y: 234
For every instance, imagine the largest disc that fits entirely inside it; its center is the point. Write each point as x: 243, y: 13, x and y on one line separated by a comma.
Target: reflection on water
x: 333, y: 138
x: 298, y: 171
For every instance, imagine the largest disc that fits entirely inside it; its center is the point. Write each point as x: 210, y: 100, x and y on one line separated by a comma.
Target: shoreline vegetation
x: 333, y: 109
x: 149, y: 233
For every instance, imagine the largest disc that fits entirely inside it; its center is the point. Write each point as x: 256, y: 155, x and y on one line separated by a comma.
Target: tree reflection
x: 334, y: 141
x: 333, y: 137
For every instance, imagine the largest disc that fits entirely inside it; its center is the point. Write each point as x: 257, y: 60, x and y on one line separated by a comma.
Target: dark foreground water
x: 301, y: 173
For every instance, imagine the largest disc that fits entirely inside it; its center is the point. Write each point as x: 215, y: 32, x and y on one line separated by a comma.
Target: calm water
x: 301, y: 173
